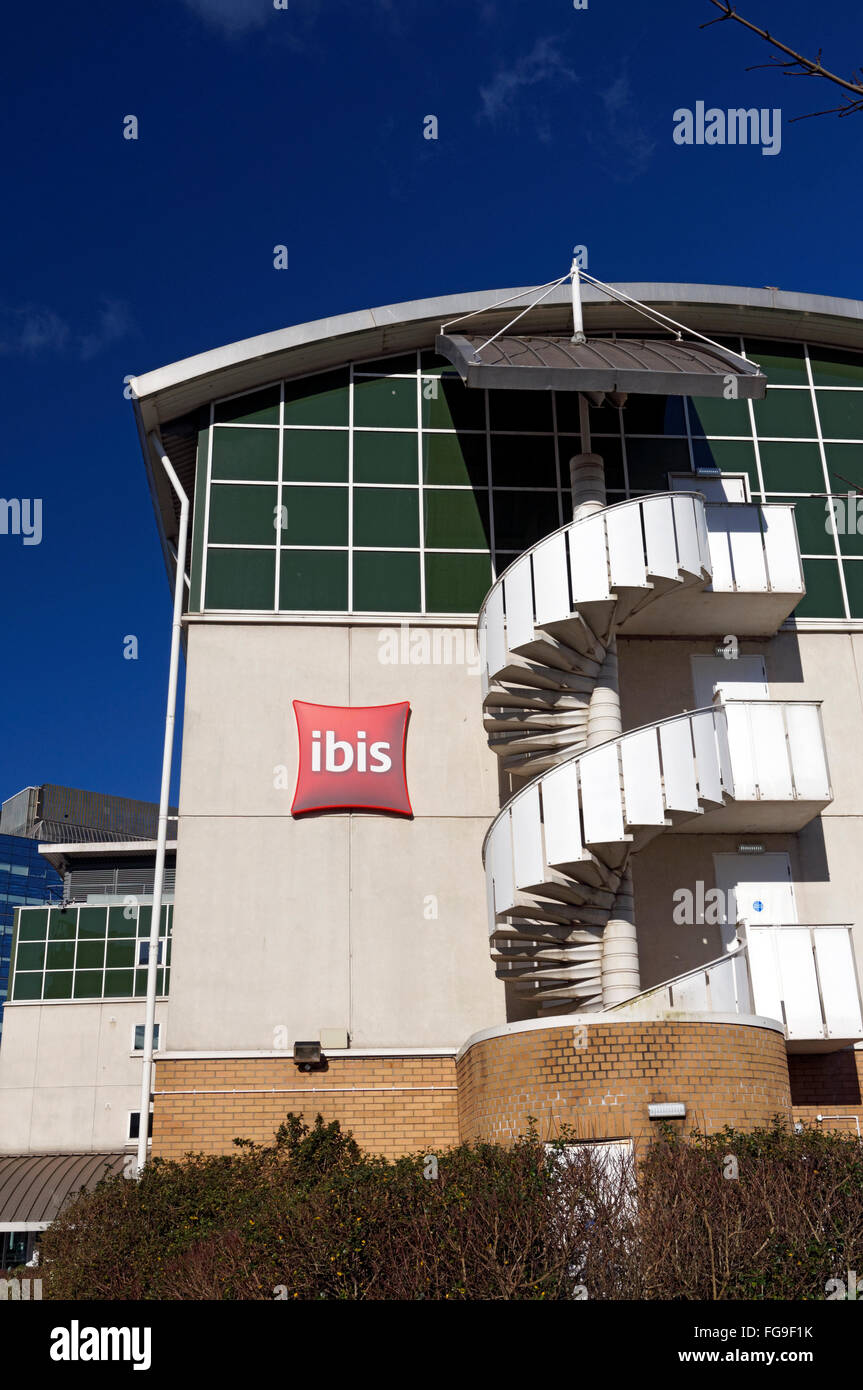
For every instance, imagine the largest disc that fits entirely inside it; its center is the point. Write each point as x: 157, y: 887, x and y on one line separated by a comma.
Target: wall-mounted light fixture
x: 667, y: 1110
x: 750, y: 849
x: 307, y: 1055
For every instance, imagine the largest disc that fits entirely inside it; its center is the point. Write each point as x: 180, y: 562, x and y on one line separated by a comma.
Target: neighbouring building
x: 522, y: 768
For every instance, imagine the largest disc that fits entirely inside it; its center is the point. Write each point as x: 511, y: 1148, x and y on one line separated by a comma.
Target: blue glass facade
x: 26, y: 878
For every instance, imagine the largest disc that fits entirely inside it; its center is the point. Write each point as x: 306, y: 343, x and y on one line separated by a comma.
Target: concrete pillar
x: 620, y: 974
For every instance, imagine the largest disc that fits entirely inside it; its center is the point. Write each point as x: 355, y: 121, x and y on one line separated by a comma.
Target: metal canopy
x: 34, y: 1187
x: 643, y: 366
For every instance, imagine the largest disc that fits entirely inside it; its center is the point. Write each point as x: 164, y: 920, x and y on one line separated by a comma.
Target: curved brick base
x: 598, y: 1078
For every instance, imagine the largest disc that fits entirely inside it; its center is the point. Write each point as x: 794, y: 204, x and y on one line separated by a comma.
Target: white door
x: 757, y: 890
x: 744, y: 678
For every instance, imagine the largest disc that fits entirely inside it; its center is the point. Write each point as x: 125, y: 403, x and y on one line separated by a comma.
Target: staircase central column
x: 620, y: 972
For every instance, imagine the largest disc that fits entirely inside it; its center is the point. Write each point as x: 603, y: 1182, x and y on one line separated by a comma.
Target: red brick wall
x: 393, y: 1105
x: 727, y: 1074
x: 828, y: 1083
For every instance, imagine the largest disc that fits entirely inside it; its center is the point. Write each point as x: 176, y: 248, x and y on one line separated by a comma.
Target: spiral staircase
x: 581, y: 797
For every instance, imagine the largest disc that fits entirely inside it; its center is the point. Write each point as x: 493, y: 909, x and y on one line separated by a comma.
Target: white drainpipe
x: 164, y: 803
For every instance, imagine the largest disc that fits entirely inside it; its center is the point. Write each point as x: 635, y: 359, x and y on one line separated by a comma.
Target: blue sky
x: 304, y: 126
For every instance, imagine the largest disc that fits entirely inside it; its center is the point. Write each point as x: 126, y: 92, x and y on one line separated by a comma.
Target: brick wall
x: 394, y: 1105
x: 828, y: 1083
x: 727, y: 1074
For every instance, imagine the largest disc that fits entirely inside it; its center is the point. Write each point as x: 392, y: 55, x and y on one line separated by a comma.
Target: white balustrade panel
x: 706, y: 756
x: 678, y: 766
x: 770, y: 747
x: 687, y: 533
x: 764, y: 972
x: 723, y: 993
x: 499, y: 849
x: 527, y: 839
x: 691, y: 994
x: 718, y: 529
x: 599, y: 771
x: 784, y: 569
x: 747, y: 549
x: 799, y: 984
x: 625, y: 547
x: 588, y: 557
x: 518, y: 597
x: 550, y: 581
x: 808, y: 755
x: 741, y: 752
x: 642, y: 779
x: 561, y: 815
x: 660, y: 538
x: 838, y: 974
x: 482, y: 644
x: 495, y: 632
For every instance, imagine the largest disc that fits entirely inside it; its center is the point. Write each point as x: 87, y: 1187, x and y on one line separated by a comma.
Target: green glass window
x: 853, y: 570
x: 120, y: 953
x: 731, y: 456
x: 31, y: 955
x: 62, y: 924
x: 119, y: 984
x: 447, y: 404
x: 520, y: 462
x: 91, y: 955
x: 833, y: 368
x: 792, y: 467
x: 58, y: 985
x: 385, y: 402
x: 315, y: 456
x: 60, y: 955
x: 27, y: 986
x: 714, y: 415
x: 521, y: 518
x: 456, y: 583
x: 318, y: 400
x: 87, y: 984
x: 313, y: 581
x: 603, y: 419
x: 251, y: 454
x: 123, y: 923
x: 92, y: 922
x: 385, y: 458
x: 823, y: 591
x: 649, y: 461
x: 458, y: 519
x: 386, y: 516
x: 655, y: 415
x: 241, y: 579
x: 841, y: 414
x: 315, y: 516
x: 386, y: 583
x: 520, y: 410
x: 33, y: 924
x: 242, y: 515
x: 459, y: 460
x: 145, y: 918
x: 814, y: 529
x: 788, y: 414
x: 256, y: 408
x: 784, y: 364
x: 844, y: 466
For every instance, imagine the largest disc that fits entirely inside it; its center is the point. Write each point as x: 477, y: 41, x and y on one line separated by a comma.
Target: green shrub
x: 314, y: 1217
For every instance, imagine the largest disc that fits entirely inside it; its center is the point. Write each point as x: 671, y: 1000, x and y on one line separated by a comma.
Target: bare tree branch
x: 797, y: 65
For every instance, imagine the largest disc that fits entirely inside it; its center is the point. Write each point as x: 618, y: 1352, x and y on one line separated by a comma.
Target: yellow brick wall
x: 599, y: 1080
x: 393, y: 1105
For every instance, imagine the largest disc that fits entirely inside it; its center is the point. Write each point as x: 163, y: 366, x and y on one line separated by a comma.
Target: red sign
x: 351, y: 758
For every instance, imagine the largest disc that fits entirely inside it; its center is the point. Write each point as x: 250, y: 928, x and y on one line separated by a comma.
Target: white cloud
x: 232, y: 16
x: 34, y: 330
x: 543, y: 64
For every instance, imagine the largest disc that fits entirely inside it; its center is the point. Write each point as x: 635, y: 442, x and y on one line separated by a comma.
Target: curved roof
x: 174, y: 390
